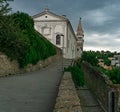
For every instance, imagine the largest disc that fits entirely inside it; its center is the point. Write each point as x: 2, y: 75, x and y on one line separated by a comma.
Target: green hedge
x: 20, y: 41
x: 113, y: 74
x: 77, y: 75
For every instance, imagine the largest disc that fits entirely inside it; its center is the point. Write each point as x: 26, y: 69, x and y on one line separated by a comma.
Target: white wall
x: 71, y: 45
x: 54, y: 29
x: 49, y: 26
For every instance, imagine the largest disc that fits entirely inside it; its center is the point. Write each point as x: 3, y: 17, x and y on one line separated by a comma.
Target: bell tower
x: 80, y: 36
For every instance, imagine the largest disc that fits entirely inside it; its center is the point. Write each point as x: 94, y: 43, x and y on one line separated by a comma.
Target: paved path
x: 88, y: 101
x: 31, y: 92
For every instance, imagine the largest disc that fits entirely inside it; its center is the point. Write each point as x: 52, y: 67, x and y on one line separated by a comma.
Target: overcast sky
x: 100, y: 18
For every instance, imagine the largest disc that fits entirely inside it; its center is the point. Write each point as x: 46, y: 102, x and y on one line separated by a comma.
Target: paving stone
x: 67, y: 100
x: 31, y: 92
x: 88, y: 101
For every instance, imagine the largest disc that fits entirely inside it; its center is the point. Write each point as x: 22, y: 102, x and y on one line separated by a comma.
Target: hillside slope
x: 19, y: 40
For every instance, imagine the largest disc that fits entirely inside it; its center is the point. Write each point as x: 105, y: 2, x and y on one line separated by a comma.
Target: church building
x: 58, y: 30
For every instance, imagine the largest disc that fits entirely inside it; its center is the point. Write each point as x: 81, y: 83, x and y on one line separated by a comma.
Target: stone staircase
x: 67, y: 62
x: 64, y: 64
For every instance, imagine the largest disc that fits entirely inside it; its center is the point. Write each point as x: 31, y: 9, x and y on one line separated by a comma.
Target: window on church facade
x: 58, y: 38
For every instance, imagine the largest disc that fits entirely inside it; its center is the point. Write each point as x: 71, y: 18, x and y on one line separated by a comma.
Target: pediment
x: 48, y: 16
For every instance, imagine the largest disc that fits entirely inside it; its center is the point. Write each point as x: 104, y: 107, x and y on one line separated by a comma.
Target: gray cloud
x: 100, y: 18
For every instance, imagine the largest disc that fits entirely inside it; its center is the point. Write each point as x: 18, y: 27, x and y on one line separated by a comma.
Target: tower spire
x: 79, y: 29
x: 80, y: 35
x: 80, y: 20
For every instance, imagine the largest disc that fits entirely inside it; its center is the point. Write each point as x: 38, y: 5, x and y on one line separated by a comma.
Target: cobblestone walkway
x: 88, y: 101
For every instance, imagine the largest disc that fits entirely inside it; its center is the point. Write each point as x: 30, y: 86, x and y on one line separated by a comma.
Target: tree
x: 114, y: 75
x: 4, y: 10
x: 4, y: 7
x: 19, y: 40
x: 90, y: 57
x: 4, y: 19
x: 107, y: 61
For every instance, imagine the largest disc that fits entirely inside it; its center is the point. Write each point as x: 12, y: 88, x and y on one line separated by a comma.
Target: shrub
x: 90, y: 57
x: 77, y: 75
x: 20, y: 41
x: 114, y: 75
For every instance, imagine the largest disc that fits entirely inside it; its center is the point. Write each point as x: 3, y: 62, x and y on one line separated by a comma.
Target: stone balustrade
x: 107, y: 93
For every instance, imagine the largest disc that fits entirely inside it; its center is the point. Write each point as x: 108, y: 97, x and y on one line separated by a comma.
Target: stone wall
x: 107, y: 93
x: 67, y: 100
x: 8, y: 67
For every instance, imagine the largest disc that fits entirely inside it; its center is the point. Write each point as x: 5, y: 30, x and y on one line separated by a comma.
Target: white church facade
x: 58, y: 30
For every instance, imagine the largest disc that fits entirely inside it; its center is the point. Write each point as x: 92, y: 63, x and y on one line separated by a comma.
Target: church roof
x: 47, y: 11
x: 79, y: 29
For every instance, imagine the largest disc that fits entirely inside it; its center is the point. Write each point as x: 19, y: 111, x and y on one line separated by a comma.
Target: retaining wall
x: 67, y: 100
x: 8, y: 66
x: 106, y: 92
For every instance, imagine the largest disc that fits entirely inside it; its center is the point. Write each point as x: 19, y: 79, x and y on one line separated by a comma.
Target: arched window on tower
x: 58, y: 39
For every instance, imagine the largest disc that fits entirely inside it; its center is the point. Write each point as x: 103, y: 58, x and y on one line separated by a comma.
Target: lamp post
x: 62, y: 50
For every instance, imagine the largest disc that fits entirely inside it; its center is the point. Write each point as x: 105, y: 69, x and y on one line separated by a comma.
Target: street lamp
x: 62, y: 50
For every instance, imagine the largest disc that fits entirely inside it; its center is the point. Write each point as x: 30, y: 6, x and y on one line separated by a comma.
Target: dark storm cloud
x: 103, y: 19
x: 100, y: 18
